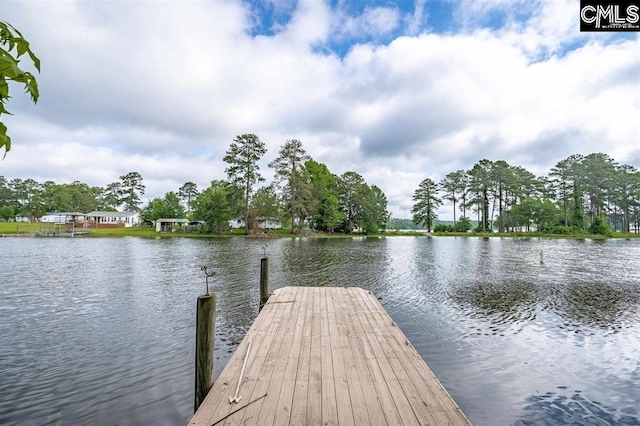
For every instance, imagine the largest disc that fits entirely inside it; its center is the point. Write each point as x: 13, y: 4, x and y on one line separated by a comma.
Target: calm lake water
x: 101, y: 331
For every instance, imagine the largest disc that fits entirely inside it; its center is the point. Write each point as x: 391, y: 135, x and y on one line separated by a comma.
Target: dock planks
x: 327, y: 356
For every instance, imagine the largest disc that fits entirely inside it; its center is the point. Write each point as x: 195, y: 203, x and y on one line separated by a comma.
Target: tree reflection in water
x: 580, y: 305
x: 501, y: 303
x: 607, y: 306
x: 573, y: 408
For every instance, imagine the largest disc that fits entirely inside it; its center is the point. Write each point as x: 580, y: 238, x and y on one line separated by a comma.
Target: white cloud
x: 416, y: 19
x: 163, y: 90
x: 373, y: 22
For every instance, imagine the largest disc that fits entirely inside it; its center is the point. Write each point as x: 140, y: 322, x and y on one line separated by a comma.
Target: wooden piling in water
x: 205, y: 339
x: 264, y: 281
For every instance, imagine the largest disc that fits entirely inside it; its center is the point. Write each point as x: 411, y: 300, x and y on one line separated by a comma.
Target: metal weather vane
x: 207, y: 276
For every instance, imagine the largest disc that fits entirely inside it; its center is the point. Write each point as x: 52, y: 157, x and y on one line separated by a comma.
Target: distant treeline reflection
x: 600, y: 305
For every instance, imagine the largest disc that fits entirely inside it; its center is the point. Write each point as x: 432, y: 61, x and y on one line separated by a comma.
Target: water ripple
x: 100, y: 331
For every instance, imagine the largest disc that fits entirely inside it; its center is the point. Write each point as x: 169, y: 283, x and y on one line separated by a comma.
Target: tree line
x: 581, y: 193
x: 591, y: 193
x: 33, y: 199
x: 303, y: 192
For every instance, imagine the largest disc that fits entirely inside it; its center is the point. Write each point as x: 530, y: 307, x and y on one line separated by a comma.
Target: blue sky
x: 406, y: 18
x: 414, y: 17
x: 397, y: 91
x: 403, y: 18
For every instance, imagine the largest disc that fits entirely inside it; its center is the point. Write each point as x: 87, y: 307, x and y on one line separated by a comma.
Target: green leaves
x: 361, y: 204
x: 427, y: 202
x: 5, y: 140
x: 10, y: 40
x: 17, y: 41
x: 214, y: 205
x: 31, y: 87
x: 131, y: 188
x: 188, y: 192
x: 374, y: 215
x: 290, y: 172
x: 167, y: 207
x: 243, y: 156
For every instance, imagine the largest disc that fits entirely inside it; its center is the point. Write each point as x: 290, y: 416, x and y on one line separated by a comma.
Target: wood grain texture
x: 328, y: 356
x: 264, y: 281
x: 205, y: 339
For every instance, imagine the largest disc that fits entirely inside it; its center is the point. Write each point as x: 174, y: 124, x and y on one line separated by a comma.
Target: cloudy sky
x: 396, y: 90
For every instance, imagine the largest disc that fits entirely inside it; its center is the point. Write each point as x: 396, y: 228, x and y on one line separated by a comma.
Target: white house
x: 269, y: 223
x: 236, y: 223
x: 62, y: 217
x: 115, y: 219
x: 263, y: 223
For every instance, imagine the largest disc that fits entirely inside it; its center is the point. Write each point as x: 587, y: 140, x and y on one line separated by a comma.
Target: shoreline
x: 147, y: 233
x: 28, y: 230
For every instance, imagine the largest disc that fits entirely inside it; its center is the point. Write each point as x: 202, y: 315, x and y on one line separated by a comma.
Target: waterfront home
x: 236, y: 223
x: 113, y: 219
x: 62, y: 217
x: 269, y: 223
x: 262, y: 223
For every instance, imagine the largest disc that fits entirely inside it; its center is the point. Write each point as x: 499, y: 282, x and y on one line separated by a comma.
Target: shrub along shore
x: 22, y: 228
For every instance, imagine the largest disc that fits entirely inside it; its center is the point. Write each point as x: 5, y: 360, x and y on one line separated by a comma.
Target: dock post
x: 205, y: 339
x: 264, y: 281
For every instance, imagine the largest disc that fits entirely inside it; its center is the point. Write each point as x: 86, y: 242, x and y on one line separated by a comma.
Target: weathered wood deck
x: 327, y: 356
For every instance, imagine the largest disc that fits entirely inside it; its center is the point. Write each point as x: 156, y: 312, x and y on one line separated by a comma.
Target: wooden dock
x: 327, y: 356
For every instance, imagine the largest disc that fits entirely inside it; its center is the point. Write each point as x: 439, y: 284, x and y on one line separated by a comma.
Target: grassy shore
x: 23, y: 228
x: 9, y: 228
x: 536, y: 235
